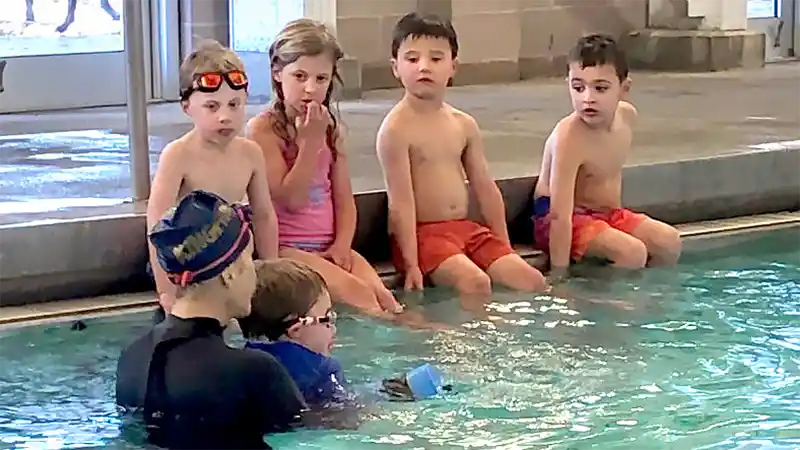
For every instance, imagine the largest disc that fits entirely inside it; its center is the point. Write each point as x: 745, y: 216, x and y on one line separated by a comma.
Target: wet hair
x: 415, y: 25
x: 285, y: 289
x: 207, y: 56
x: 598, y: 50
x: 303, y: 37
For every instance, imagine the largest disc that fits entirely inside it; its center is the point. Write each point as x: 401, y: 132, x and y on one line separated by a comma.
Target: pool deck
x: 707, y: 146
x: 682, y: 117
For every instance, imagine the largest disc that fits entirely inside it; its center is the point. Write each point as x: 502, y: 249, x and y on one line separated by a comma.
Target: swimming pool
x: 709, y: 357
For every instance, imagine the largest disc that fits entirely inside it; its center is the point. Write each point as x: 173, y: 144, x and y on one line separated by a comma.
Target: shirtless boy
x: 425, y: 148
x: 577, y: 200
x: 211, y: 157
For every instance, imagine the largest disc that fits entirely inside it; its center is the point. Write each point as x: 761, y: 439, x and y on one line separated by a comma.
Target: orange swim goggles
x: 212, y: 81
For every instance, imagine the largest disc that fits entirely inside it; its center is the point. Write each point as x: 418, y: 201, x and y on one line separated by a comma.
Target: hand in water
x: 557, y: 275
x: 388, y: 302
x: 413, y: 281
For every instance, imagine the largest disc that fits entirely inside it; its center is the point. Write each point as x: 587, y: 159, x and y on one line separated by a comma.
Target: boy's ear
x: 393, y: 63
x: 292, y: 330
x: 626, y: 88
x: 185, y: 106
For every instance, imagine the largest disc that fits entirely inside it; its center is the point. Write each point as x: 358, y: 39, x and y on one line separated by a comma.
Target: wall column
x: 696, y: 36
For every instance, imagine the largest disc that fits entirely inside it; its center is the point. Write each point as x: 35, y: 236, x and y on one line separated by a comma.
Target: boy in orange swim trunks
x: 425, y: 146
x: 577, y: 199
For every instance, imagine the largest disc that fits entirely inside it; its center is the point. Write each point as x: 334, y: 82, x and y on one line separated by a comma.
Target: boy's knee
x: 476, y: 283
x: 668, y: 246
x: 632, y: 255
x: 536, y: 280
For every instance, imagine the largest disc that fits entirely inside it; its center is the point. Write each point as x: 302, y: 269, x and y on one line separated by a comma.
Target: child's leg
x: 663, y: 241
x: 472, y: 284
x: 343, y: 286
x: 364, y: 271
x: 622, y: 249
x: 501, y: 262
x: 515, y: 273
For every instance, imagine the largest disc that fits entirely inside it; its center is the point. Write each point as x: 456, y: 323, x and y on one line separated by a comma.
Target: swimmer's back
x: 223, y: 397
x: 434, y: 144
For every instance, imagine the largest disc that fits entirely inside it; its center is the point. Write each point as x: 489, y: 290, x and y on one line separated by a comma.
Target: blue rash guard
x: 319, y: 377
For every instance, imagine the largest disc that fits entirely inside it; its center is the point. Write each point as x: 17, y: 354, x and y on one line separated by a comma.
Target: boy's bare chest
x: 225, y: 175
x: 444, y: 144
x: 607, y: 157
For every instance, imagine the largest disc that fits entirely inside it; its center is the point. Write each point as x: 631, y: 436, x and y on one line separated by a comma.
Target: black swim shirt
x: 196, y: 392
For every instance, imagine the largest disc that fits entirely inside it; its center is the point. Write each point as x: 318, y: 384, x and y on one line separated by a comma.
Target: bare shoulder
x: 568, y: 137
x: 392, y: 129
x: 247, y: 148
x: 339, y: 136
x: 259, y: 125
x: 467, y: 122
x: 627, y: 111
x: 175, y: 150
x: 393, y: 120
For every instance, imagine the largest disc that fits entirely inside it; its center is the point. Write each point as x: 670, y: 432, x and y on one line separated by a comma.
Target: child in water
x: 292, y: 319
x: 303, y: 145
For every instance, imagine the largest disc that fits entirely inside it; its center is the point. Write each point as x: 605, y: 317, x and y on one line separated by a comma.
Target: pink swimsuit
x: 312, y: 228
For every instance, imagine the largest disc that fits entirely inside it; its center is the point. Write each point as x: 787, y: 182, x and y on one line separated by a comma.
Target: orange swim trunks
x: 437, y: 241
x: 586, y: 225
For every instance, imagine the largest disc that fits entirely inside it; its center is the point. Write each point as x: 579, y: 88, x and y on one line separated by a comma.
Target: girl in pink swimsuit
x: 307, y: 167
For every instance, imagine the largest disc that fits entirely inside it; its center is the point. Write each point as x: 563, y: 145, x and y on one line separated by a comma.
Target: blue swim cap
x: 201, y: 237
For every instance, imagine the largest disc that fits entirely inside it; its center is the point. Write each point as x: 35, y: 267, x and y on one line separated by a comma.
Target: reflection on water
x: 706, y: 359
x: 51, y: 172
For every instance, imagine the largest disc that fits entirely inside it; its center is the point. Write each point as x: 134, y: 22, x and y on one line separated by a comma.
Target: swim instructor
x: 192, y: 389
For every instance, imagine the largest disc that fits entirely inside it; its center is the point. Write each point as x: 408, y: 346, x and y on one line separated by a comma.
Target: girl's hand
x: 339, y: 255
x: 313, y: 125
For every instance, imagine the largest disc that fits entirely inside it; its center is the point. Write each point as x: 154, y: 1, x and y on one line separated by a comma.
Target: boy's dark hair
x: 415, y: 25
x: 285, y: 290
x: 597, y: 50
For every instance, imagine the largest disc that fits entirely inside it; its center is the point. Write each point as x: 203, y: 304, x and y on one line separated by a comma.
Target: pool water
x: 704, y: 357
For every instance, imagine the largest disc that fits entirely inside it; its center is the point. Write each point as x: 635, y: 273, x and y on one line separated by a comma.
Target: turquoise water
x: 703, y: 357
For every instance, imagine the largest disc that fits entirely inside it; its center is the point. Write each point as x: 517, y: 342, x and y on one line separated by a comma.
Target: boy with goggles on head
x: 212, y: 157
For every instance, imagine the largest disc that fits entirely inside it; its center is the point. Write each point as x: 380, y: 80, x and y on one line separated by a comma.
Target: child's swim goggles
x: 212, y: 81
x: 327, y: 319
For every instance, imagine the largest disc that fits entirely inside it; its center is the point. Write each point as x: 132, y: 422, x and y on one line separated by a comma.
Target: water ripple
x: 707, y: 358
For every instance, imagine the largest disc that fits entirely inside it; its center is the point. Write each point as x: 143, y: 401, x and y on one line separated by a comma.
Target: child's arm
x: 265, y: 222
x: 394, y: 158
x: 564, y: 172
x: 490, y: 199
x: 343, y: 200
x: 290, y: 188
x: 163, y: 195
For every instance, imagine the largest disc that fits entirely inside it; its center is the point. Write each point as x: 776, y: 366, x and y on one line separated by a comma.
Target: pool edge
x: 112, y: 305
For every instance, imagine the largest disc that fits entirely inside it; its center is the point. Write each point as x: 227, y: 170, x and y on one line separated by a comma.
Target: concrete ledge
x: 107, y: 255
x: 698, y: 236
x: 695, y: 51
